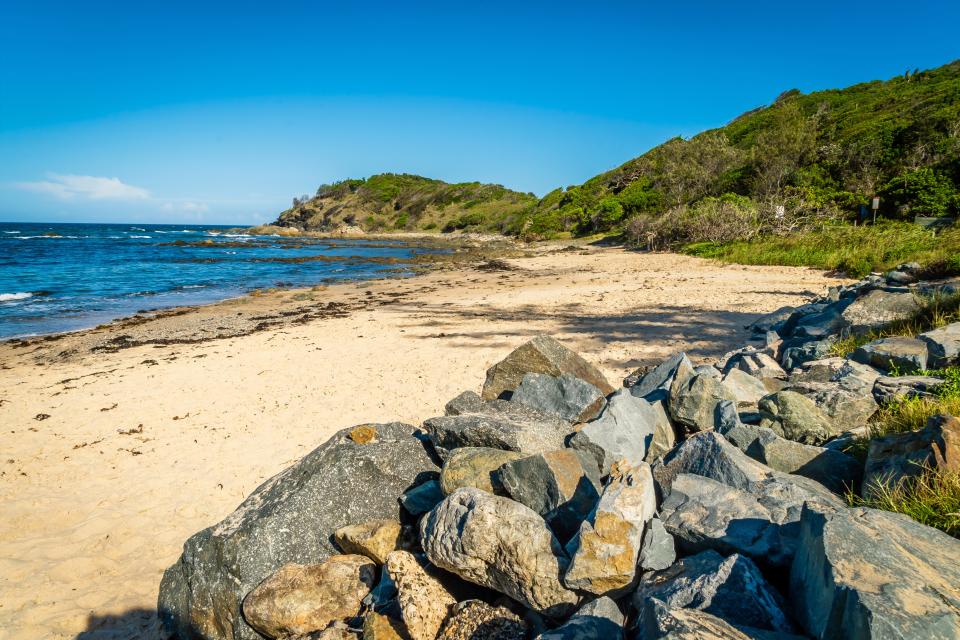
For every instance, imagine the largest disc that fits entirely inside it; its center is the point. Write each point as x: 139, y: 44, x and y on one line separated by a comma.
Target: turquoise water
x: 63, y: 277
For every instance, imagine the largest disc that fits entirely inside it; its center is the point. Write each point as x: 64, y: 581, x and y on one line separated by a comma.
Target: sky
x: 220, y: 112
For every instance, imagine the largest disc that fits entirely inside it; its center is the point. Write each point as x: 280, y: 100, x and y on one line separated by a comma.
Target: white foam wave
x: 11, y: 232
x: 7, y: 297
x: 139, y: 237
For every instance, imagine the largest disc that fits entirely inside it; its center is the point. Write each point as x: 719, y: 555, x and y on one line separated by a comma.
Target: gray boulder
x: 943, y: 345
x: 821, y: 370
x: 819, y: 325
x: 468, y: 403
x: 863, y: 574
x: 900, y: 353
x: 894, y: 458
x: 845, y: 407
x: 757, y: 364
x: 877, y: 308
x: 890, y: 388
x: 659, y: 621
x: 290, y: 518
x: 655, y: 384
x: 772, y: 321
x: 658, y: 551
x: 544, y: 355
x: 693, y: 402
x: 475, y: 467
x: 796, y: 417
x: 422, y: 498
x: 482, y: 430
x: 566, y: 396
x: 599, y: 619
x: 746, y: 389
x: 796, y: 352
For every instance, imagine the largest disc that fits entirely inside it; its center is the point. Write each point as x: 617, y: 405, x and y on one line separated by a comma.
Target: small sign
x: 876, y: 203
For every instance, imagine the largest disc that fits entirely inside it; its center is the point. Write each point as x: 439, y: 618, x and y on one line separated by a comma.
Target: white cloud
x: 68, y: 187
x: 188, y: 206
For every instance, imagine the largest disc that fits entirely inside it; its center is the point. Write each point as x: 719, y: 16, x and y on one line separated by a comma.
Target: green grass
x: 911, y: 414
x: 855, y: 251
x: 931, y: 498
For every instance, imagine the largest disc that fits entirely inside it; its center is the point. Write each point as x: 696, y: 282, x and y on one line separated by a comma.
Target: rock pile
x: 694, y: 502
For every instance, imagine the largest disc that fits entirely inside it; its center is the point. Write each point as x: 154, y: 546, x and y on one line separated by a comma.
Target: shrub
x: 931, y: 498
x: 922, y: 192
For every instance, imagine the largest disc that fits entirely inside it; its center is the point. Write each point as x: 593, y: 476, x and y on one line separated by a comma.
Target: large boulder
x: 796, y: 417
x: 898, y: 353
x: 299, y: 599
x: 599, y: 619
x: 891, y: 388
x: 501, y: 544
x: 693, y: 402
x: 819, y: 325
x: 894, y: 458
x: 799, y: 351
x: 424, y: 601
x: 943, y: 345
x: 659, y: 621
x: 863, y: 574
x: 475, y: 467
x: 544, y: 355
x: 658, y: 550
x: 475, y: 619
x: 566, y: 396
x: 655, y: 384
x: 353, y: 477
x: 483, y: 430
x: 746, y: 388
x: 756, y: 364
x: 877, y: 308
x: 374, y: 539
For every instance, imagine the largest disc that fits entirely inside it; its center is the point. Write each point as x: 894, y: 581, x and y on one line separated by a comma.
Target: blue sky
x: 216, y: 112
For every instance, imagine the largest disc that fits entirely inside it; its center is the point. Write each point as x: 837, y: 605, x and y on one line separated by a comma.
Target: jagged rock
x: 819, y: 325
x: 890, y: 388
x: 475, y: 467
x: 374, y: 539
x: 693, y: 403
x: 333, y: 632
x: 603, y: 555
x: 893, y: 458
x: 567, y: 396
x: 746, y: 389
x: 897, y: 353
x: 562, y: 486
x: 772, y: 321
x: 424, y: 601
x: 877, y: 308
x: 501, y: 544
x: 477, y: 620
x: 758, y: 365
x: 794, y: 354
x: 299, y: 599
x: 842, y: 405
x: 290, y: 518
x: 772, y: 345
x: 470, y: 402
x: 481, y: 430
x: 544, y: 355
x: 821, y: 370
x: 796, y: 417
x: 943, y: 345
x: 625, y: 430
x: 422, y: 498
x: 661, y: 622
x: 657, y: 551
x: 381, y: 627
x: 864, y: 574
x: 732, y: 589
x: 656, y: 384
x: 599, y: 619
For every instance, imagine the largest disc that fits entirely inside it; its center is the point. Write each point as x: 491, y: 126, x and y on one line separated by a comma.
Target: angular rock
x: 374, y: 539
x: 501, y: 544
x: 898, y: 353
x: 842, y: 405
x: 821, y: 370
x: 943, y: 345
x: 476, y: 620
x: 480, y: 430
x: 298, y: 599
x: 603, y: 555
x: 422, y: 498
x: 758, y: 365
x: 657, y: 552
x: 890, y: 388
x: 863, y: 574
x: 567, y: 396
x: 599, y: 619
x: 819, y: 325
x: 544, y: 355
x: 661, y: 622
x: 656, y: 383
x: 745, y: 388
x: 562, y: 486
x: 475, y: 467
x: 333, y: 632
x: 797, y: 352
x: 894, y: 458
x: 731, y: 588
x: 469, y: 402
x: 290, y: 518
x: 693, y: 403
x: 381, y: 627
x: 424, y: 601
x: 772, y: 321
x: 796, y: 417
x: 877, y: 308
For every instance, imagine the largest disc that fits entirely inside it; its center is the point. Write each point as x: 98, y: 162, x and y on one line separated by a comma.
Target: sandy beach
x: 120, y: 442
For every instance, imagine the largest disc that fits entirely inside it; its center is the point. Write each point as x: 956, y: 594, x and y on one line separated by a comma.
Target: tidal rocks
x: 299, y: 599
x: 289, y: 519
x: 544, y: 355
x: 567, y: 396
x: 603, y: 555
x: 599, y: 619
x: 864, y: 574
x: 893, y: 458
x: 474, y: 467
x: 730, y: 588
x: 374, y: 539
x: 424, y: 601
x: 943, y: 345
x: 693, y: 403
x: 877, y: 308
x: 898, y: 353
x: 476, y: 620
x: 501, y: 544
x: 481, y: 430
x: 796, y: 417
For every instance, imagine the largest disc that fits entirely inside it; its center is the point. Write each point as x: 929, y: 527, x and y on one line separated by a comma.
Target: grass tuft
x: 931, y: 498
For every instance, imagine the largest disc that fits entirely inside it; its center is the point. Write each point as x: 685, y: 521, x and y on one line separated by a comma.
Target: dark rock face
x: 658, y: 550
x: 819, y: 325
x: 482, y: 430
x: 893, y: 458
x: 599, y: 619
x: 289, y: 519
x: 660, y: 621
x: 904, y: 354
x: 864, y: 574
x: 796, y: 353
x: 655, y: 384
x: 544, y: 355
x: 943, y: 345
x: 566, y: 396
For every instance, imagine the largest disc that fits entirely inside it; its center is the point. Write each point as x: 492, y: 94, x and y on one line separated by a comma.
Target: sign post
x: 875, y: 204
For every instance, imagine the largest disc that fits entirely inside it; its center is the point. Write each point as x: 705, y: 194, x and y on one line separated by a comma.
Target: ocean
x: 64, y: 277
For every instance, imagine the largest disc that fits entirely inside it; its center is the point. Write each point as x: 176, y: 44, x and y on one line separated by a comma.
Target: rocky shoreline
x: 693, y: 502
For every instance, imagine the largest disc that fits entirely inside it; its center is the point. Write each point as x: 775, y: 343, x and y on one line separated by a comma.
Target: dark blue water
x: 63, y: 277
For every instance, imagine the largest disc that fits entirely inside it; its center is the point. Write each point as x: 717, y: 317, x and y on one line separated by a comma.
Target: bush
x: 921, y: 192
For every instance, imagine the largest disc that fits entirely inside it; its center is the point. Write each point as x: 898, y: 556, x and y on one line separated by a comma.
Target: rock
x: 544, y: 355
x: 656, y: 384
x: 562, y: 486
x: 796, y: 417
x: 475, y: 467
x: 898, y: 353
x: 797, y: 352
x: 381, y: 627
x: 894, y: 458
x: 758, y: 365
x: 732, y: 589
x: 374, y: 539
x: 290, y: 518
x: 745, y: 388
x: 693, y: 403
x: 603, y: 555
x: 863, y: 574
x: 567, y: 396
x: 877, y: 308
x: 424, y: 601
x: 943, y: 345
x: 469, y: 402
x: 625, y: 430
x: 299, y: 599
x: 819, y: 325
x: 657, y: 551
x: 890, y: 388
x: 659, y: 621
x: 477, y: 620
x: 480, y: 430
x: 501, y: 544
x: 599, y: 619
x: 422, y: 498
x: 841, y: 405
x: 334, y: 632
x: 821, y: 370
x: 773, y: 321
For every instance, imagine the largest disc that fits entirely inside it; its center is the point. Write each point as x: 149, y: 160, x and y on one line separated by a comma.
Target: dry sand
x: 144, y: 445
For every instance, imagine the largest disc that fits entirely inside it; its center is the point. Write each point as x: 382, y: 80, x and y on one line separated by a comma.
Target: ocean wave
x: 147, y: 237
x: 11, y: 232
x: 9, y: 297
x: 48, y: 237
